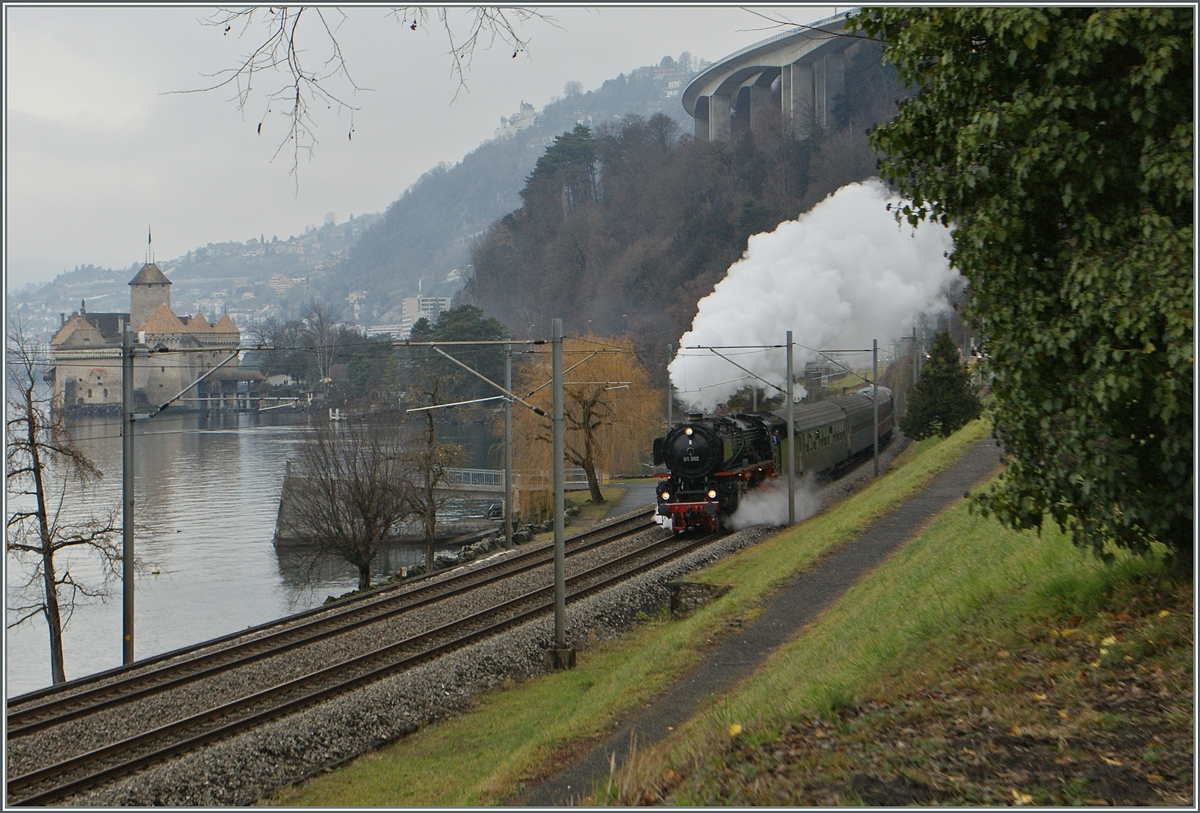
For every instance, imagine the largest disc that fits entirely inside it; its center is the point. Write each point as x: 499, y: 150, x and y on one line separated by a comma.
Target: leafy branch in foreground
x: 1058, y: 144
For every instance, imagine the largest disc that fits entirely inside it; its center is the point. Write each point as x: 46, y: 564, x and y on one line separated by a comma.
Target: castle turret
x: 147, y: 291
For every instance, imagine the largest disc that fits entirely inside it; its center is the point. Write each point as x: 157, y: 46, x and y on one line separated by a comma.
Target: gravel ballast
x: 246, y: 768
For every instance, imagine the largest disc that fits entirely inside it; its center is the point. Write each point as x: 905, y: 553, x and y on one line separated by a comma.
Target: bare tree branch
x: 282, y: 52
x: 487, y: 26
x: 43, y: 465
x: 348, y: 493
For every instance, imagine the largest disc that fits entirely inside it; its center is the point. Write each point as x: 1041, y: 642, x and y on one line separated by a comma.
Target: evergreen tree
x: 942, y: 400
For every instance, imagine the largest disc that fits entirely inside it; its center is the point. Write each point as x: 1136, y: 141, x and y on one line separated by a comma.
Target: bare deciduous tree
x: 348, y: 493
x: 429, y: 460
x: 307, y: 61
x: 321, y: 334
x: 45, y: 526
x: 610, y: 412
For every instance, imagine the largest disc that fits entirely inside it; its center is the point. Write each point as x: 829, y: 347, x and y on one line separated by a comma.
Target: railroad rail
x: 83, y: 771
x: 245, y: 647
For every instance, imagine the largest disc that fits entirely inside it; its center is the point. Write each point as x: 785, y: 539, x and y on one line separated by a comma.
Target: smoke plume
x: 768, y: 505
x: 839, y: 276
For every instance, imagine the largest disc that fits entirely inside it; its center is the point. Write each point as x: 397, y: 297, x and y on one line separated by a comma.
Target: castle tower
x: 147, y: 291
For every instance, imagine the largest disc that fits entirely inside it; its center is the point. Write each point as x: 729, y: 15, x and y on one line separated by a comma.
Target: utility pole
x: 875, y: 396
x: 508, y: 472
x: 915, y: 354
x: 127, y: 469
x: 670, y: 388
x: 561, y: 657
x: 791, y: 422
x: 127, y: 585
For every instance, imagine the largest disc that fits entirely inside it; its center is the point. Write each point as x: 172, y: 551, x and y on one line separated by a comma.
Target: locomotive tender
x: 713, y: 461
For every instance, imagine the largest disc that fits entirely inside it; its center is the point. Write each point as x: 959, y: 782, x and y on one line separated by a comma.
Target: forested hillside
x: 427, y: 232
x: 625, y: 227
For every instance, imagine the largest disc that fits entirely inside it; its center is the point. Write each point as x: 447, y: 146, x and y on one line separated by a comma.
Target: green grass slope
x: 852, y: 664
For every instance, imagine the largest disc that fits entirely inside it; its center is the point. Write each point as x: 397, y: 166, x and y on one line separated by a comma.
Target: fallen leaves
x: 1066, y: 726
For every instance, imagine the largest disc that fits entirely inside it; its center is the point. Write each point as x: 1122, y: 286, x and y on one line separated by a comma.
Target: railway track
x: 35, y: 712
x: 86, y: 770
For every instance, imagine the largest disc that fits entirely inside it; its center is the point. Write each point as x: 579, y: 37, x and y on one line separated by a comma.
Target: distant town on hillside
x: 367, y: 265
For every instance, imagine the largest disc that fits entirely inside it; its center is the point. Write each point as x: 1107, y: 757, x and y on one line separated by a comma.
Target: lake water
x: 207, y: 495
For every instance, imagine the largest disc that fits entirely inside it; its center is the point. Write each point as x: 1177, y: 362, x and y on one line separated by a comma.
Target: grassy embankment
x: 517, y: 735
x: 977, y: 666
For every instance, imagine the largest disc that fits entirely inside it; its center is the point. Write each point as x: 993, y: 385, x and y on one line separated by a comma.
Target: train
x: 713, y: 461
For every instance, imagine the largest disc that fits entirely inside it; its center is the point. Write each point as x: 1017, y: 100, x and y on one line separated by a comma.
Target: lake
x: 207, y: 494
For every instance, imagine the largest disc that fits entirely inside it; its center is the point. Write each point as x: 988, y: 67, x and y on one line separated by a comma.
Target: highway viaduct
x: 800, y: 71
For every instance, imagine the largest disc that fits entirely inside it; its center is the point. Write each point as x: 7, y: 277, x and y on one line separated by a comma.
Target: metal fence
x: 574, y: 478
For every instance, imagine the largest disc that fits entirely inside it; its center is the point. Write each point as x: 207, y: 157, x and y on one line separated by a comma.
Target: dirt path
x: 790, y: 609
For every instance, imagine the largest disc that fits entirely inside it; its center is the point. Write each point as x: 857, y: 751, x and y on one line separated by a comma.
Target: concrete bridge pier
x: 829, y: 79
x: 810, y: 65
x: 796, y: 98
x: 720, y: 126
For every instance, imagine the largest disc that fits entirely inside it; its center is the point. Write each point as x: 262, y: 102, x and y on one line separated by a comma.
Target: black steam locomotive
x: 713, y: 461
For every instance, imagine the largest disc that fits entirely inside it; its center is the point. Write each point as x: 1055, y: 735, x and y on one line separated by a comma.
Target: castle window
x: 89, y: 393
x: 106, y: 392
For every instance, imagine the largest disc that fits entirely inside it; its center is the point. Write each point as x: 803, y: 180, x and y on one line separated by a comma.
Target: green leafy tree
x: 373, y: 373
x: 942, y: 401
x: 1057, y: 144
x: 429, y: 370
x: 564, y: 178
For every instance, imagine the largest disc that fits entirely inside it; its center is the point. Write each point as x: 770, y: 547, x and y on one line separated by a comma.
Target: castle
x: 175, y: 351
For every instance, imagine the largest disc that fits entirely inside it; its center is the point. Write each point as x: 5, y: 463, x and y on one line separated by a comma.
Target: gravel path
x: 790, y: 609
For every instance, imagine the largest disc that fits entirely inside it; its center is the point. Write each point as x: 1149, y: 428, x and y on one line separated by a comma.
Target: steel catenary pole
x: 791, y: 422
x: 560, y: 587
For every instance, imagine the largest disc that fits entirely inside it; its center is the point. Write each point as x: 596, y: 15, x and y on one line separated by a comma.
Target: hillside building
x: 523, y: 119
x: 415, y: 307
x: 411, y: 309
x: 86, y: 352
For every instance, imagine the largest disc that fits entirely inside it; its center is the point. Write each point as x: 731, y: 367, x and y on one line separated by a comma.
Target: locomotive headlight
x: 687, y: 431
x: 665, y: 496
x: 712, y: 493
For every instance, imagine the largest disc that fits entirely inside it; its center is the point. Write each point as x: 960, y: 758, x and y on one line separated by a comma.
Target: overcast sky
x: 98, y: 147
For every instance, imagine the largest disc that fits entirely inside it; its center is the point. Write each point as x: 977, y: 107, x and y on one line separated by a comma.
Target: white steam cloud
x: 768, y: 505
x: 837, y: 277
